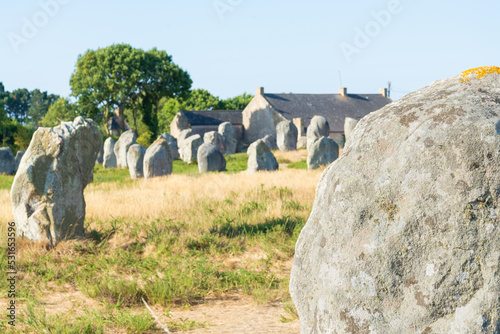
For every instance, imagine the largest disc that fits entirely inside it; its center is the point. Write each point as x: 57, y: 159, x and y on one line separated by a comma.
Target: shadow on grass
x: 231, y: 229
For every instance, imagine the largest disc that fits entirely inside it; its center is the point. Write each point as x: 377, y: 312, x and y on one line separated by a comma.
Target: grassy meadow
x: 174, y: 242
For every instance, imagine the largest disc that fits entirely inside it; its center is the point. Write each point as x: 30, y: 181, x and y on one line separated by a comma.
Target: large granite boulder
x: 318, y: 128
x: 322, y: 152
x: 213, y: 137
x: 127, y: 139
x: 210, y: 159
x: 286, y: 136
x: 172, y: 143
x: 47, y: 193
x: 158, y: 160
x: 349, y: 124
x: 189, y: 149
x: 109, y: 157
x: 404, y: 232
x: 19, y: 156
x: 260, y: 157
x: 228, y: 132
x: 7, y: 161
x: 135, y: 160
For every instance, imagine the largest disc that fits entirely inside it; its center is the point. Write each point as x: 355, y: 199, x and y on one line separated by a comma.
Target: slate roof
x: 334, y: 107
x: 213, y: 117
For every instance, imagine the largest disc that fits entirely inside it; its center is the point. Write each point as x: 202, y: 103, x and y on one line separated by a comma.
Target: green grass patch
x: 302, y: 164
x: 6, y: 181
x: 236, y: 163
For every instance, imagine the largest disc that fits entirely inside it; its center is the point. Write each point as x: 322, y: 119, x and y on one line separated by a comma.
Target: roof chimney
x: 383, y: 92
x: 259, y: 91
x: 343, y: 91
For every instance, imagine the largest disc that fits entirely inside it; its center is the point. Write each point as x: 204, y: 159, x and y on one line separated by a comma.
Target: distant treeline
x: 146, y: 86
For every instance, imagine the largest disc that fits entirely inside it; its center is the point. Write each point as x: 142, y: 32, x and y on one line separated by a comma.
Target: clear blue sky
x: 283, y: 45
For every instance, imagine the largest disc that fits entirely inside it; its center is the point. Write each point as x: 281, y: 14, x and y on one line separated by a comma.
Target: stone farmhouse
x: 265, y: 111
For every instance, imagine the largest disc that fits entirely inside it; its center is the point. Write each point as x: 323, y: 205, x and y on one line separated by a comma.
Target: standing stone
x: 404, y: 232
x: 270, y: 142
x: 349, y: 125
x: 323, y: 152
x: 286, y: 136
x: 135, y: 160
x: 189, y: 149
x: 109, y: 157
x: 100, y: 156
x: 126, y: 140
x: 178, y: 124
x: 158, y: 160
x: 172, y: 144
x: 210, y: 159
x: 302, y: 142
x: 260, y: 157
x: 7, y: 161
x: 317, y: 128
x: 227, y: 131
x: 183, y: 135
x: 47, y: 193
x: 19, y: 156
x: 215, y: 138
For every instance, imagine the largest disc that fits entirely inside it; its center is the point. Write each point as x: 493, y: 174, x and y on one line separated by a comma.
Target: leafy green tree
x: 236, y: 103
x: 17, y: 104
x: 39, y: 105
x: 123, y: 77
x: 61, y: 110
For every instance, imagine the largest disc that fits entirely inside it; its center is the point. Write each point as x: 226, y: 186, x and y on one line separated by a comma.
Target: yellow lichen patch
x: 479, y: 72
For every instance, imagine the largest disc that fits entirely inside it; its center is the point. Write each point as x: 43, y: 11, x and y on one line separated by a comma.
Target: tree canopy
x: 122, y: 77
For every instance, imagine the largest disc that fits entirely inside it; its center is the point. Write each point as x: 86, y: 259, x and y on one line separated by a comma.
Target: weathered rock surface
x: 189, y: 149
x: 228, y: 132
x: 270, y: 142
x: 349, y: 124
x: 7, y: 161
x: 210, y: 159
x: 158, y: 160
x: 178, y: 124
x: 404, y: 232
x: 47, y: 193
x: 302, y: 142
x: 100, y: 156
x: 122, y: 145
x: 183, y: 135
x: 172, y: 144
x: 318, y: 128
x: 322, y: 152
x: 19, y: 156
x: 213, y: 137
x: 135, y: 160
x: 109, y: 157
x: 260, y: 157
x: 286, y: 136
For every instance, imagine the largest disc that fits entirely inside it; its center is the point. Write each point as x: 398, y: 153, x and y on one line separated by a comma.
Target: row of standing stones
x: 404, y: 233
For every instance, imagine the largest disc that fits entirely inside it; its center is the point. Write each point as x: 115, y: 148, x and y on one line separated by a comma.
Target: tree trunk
x: 121, y: 110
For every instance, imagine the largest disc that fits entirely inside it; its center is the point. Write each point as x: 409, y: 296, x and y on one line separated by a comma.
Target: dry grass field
x: 209, y: 253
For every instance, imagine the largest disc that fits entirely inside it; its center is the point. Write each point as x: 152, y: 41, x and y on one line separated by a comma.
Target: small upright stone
x: 227, y: 131
x: 286, y: 133
x: 172, y: 144
x: 323, y: 152
x: 158, y: 160
x: 317, y: 128
x: 126, y: 140
x: 7, y: 161
x: 215, y: 138
x: 19, y: 156
x: 135, y: 160
x: 260, y: 157
x: 47, y: 193
x: 270, y: 142
x: 189, y: 149
x: 109, y: 157
x: 349, y: 125
x: 183, y: 135
x: 210, y: 159
x: 100, y: 156
x: 302, y: 142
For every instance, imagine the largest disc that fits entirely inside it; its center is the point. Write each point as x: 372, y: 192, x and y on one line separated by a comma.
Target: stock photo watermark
x: 222, y: 7
x: 11, y: 273
x: 372, y: 29
x: 31, y: 27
